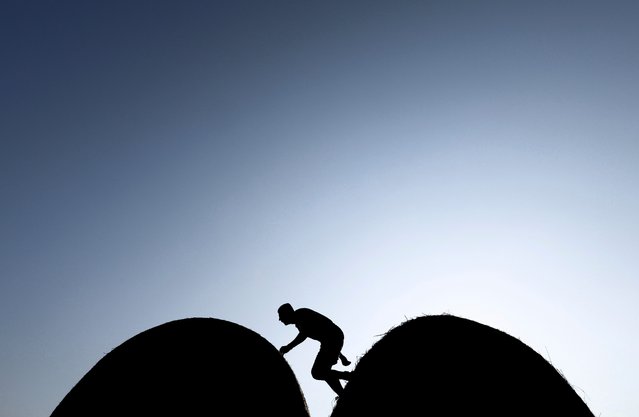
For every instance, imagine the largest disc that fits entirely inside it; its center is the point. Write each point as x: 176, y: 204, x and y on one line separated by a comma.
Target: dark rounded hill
x: 450, y: 366
x: 189, y: 367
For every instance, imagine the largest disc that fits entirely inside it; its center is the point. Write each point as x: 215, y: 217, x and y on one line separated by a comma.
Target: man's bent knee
x: 320, y: 374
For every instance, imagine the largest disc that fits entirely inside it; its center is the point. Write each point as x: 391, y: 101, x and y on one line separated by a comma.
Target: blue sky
x: 371, y: 160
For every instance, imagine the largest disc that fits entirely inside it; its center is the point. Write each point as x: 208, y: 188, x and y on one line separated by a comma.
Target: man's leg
x: 345, y: 375
x: 322, y: 371
x: 332, y: 378
x: 333, y: 382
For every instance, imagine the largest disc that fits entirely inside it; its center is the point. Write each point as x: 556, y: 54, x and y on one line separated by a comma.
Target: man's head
x: 286, y: 313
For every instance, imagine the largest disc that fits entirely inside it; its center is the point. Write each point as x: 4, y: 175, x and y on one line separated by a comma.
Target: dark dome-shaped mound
x: 449, y: 366
x: 198, y: 366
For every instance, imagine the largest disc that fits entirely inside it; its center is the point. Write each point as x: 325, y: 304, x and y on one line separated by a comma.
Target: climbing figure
x: 312, y: 324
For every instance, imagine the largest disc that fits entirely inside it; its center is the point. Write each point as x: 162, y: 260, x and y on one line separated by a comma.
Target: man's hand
x: 284, y: 350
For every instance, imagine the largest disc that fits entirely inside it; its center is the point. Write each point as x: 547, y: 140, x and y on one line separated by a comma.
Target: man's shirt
x: 316, y: 326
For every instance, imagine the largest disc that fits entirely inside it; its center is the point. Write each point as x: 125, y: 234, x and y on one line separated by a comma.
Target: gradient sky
x: 372, y: 160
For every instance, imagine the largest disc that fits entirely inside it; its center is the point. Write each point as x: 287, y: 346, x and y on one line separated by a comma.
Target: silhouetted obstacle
x: 198, y: 366
x: 449, y: 366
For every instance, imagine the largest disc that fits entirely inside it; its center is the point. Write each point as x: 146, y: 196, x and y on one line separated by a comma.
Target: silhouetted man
x: 312, y: 324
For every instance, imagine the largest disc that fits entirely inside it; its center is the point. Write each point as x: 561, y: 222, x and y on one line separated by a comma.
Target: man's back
x: 316, y: 326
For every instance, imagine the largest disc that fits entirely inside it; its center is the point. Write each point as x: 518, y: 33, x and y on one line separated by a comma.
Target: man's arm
x: 298, y: 339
